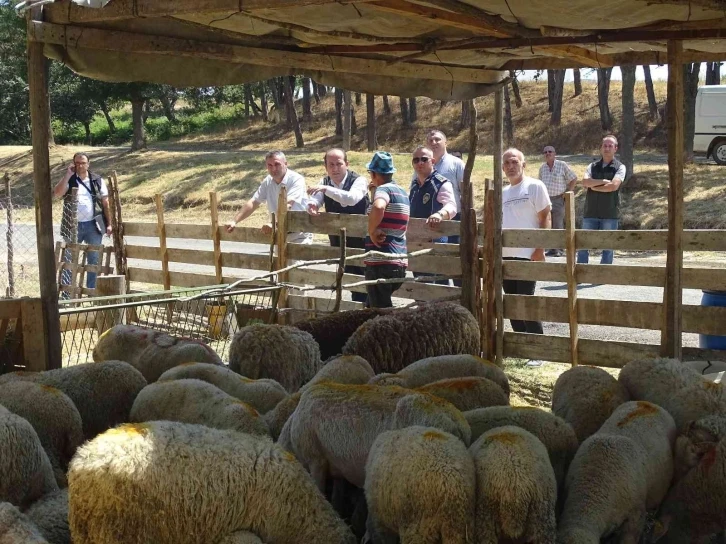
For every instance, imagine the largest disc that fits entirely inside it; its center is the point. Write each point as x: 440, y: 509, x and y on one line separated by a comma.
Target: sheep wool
x: 262, y: 395
x: 145, y: 483
x: 102, y: 392
x: 278, y: 416
x: 350, y: 369
x: 420, y: 486
x: 25, y: 471
x: 618, y: 474
x: 53, y: 416
x: 195, y: 401
x: 516, y: 488
x: 468, y: 393
x: 393, y: 341
x: 585, y: 396
x: 241, y: 537
x: 285, y: 354
x: 15, y: 528
x: 50, y: 516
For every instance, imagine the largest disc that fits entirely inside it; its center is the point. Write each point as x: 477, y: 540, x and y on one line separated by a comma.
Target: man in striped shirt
x: 387, y: 224
x: 559, y: 178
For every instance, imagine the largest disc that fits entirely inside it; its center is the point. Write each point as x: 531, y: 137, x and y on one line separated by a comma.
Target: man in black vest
x: 341, y: 191
x: 602, y: 201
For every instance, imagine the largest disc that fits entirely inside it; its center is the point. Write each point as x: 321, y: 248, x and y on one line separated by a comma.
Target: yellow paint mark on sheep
x: 105, y: 334
x: 485, y: 361
x: 643, y: 409
x: 190, y: 363
x: 140, y: 429
x: 607, y: 396
x: 51, y: 389
x: 250, y: 409
x: 505, y: 437
x: 712, y: 386
x: 288, y: 456
x: 455, y: 384
x: 434, y: 435
x: 245, y: 379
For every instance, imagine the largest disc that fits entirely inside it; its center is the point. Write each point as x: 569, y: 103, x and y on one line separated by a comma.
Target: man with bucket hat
x: 387, y: 224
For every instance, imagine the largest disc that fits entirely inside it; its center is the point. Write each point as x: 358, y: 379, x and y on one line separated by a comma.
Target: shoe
x: 551, y: 253
x: 559, y: 253
x: 535, y: 363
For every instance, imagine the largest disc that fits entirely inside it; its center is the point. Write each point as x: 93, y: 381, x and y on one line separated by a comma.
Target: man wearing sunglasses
x: 559, y: 178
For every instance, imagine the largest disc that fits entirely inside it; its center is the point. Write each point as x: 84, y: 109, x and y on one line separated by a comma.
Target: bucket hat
x: 381, y: 163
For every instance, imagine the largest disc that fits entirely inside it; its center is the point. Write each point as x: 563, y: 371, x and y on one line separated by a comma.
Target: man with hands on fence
x: 278, y: 176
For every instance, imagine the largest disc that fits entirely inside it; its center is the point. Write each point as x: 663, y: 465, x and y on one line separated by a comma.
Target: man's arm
x: 61, y: 188
x: 544, y: 218
x: 346, y: 198
x: 244, y: 212
x: 448, y: 210
x: 374, y: 220
x: 107, y: 214
x: 571, y: 177
x: 609, y: 186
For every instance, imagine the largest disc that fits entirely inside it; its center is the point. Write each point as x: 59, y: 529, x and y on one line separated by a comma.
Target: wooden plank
x: 531, y: 270
x: 319, y: 303
x: 180, y: 279
x: 35, y: 347
x: 703, y: 278
x: 704, y: 240
x: 147, y: 253
x: 671, y: 334
x: 137, y: 228
x: 488, y: 298
x: 9, y: 309
x: 571, y: 257
x: 216, y: 239
x: 161, y: 233
x: 247, y: 235
x: 281, y: 228
x: 245, y: 261
x: 593, y: 59
x: 188, y: 231
x: 704, y: 319
x: 109, y: 286
x: 498, y: 237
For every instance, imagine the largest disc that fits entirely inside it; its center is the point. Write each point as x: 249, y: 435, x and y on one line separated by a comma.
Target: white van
x: 710, y: 136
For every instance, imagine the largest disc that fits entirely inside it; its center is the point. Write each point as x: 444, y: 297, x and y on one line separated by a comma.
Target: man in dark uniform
x: 341, y: 191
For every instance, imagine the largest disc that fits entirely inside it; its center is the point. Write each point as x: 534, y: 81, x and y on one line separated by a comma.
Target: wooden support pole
x: 571, y: 254
x: 672, y: 333
x: 282, y: 247
x: 216, y: 238
x: 107, y: 286
x: 497, y: 219
x: 117, y: 225
x: 341, y: 269
x: 40, y: 122
x: 163, y: 251
x: 347, y: 120
x: 10, y: 293
x: 468, y: 247
x: 488, y: 298
x: 35, y: 350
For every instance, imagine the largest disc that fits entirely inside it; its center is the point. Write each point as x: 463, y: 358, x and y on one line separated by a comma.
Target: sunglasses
x: 548, y: 152
x: 417, y: 160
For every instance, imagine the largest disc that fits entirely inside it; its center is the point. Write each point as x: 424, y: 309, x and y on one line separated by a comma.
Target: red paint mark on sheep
x: 643, y: 409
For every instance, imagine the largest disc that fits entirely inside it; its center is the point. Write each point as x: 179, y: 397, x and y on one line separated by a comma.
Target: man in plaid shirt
x: 558, y: 178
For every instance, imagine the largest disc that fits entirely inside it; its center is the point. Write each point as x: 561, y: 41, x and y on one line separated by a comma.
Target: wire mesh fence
x: 188, y: 313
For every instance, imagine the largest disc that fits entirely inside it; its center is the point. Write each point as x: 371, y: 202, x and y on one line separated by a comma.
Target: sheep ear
x: 660, y: 528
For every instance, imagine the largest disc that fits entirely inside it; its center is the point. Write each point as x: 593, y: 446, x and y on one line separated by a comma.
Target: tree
x: 263, y: 100
x: 322, y: 90
x: 690, y: 74
x: 576, y: 80
x: 652, y: 104
x: 405, y: 118
x: 14, y: 106
x: 550, y: 90
x: 358, y: 99
x: 338, y: 112
x: 412, y: 109
x: 628, y: 121
x: 386, y: 105
x: 72, y: 99
x: 515, y: 88
x: 168, y: 95
x: 307, y: 108
x: 290, y: 106
x: 508, y: 122
x: 371, y: 122
x: 465, y: 114
x: 603, y: 92
x: 558, y: 90
x: 713, y: 73
x: 347, y: 118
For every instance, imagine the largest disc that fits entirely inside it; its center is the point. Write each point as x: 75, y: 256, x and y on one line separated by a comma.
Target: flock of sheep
x: 401, y: 435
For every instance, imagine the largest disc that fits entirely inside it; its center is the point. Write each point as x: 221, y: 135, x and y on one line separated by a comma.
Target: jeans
x: 379, y: 296
x: 522, y: 287
x: 87, y: 234
x: 593, y: 223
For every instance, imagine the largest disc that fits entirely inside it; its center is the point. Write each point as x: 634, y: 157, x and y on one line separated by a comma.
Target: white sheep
x: 16, y: 528
x: 263, y: 395
x: 53, y: 416
x: 420, y: 486
x: 516, y: 491
x: 618, y: 474
x: 241, y: 537
x: 468, y: 393
x: 285, y: 354
x: 198, y: 402
x: 50, y: 516
x: 169, y: 482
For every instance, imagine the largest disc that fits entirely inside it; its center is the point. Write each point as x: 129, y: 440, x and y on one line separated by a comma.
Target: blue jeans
x: 592, y: 223
x: 87, y: 234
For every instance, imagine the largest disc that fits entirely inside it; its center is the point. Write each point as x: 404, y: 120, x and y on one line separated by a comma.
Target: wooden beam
x: 497, y: 231
x: 214, y: 212
x: 571, y: 255
x: 672, y: 332
x: 129, y: 42
x: 40, y: 123
x: 588, y: 58
x: 281, y: 229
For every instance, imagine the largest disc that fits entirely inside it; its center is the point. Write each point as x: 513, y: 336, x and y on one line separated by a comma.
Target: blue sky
x: 657, y: 72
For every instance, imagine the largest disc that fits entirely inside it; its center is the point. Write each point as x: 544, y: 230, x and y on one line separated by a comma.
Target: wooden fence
x: 22, y: 335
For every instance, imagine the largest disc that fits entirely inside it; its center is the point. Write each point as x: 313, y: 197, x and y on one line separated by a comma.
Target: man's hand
x: 267, y: 228
x: 538, y: 255
x: 313, y: 208
x: 434, y: 220
x: 70, y: 171
x: 377, y: 237
x: 231, y: 225
x: 109, y: 230
x: 317, y: 189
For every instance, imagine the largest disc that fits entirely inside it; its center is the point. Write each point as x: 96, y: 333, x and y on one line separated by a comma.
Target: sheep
x: 196, y: 401
x: 151, y: 352
x: 419, y: 485
x: 695, y: 507
x: 50, y: 516
x: 143, y: 483
x: 468, y: 393
x: 393, y: 341
x: 280, y: 414
x: 285, y: 354
x: 516, y: 488
x: 555, y: 433
x: 617, y: 474
x: 332, y: 331
x: 706, y: 367
x: 674, y: 386
x: 335, y: 425
x: 433, y: 369
x: 350, y: 369
x: 585, y: 396
x: 262, y: 395
x: 25, y: 471
x: 102, y: 392
x: 53, y: 416
x: 16, y: 528
x: 241, y: 537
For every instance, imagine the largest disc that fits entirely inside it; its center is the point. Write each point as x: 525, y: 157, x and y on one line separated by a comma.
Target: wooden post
x: 489, y: 310
x: 40, y: 123
x: 163, y: 252
x: 35, y: 349
x: 9, y: 237
x: 107, y: 286
x: 282, y: 247
x: 341, y: 270
x: 672, y: 333
x: 497, y: 220
x: 216, y: 239
x: 468, y: 246
x: 571, y: 254
x: 117, y: 225
x: 347, y: 119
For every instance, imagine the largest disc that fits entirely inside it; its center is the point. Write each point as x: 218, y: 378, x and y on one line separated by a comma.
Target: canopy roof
x: 445, y: 49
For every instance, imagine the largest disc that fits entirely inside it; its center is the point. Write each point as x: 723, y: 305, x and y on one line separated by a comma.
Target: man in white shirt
x: 268, y: 192
x: 559, y: 178
x: 525, y: 205
x: 341, y: 191
x: 94, y: 216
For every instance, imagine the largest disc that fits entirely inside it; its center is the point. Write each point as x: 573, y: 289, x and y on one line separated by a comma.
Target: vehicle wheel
x: 719, y: 153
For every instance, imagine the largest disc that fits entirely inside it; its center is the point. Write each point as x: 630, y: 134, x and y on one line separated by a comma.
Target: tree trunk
x: 628, y: 119
x: 603, y: 91
x: 107, y: 115
x: 550, y: 90
x: 338, y: 112
x: 465, y: 114
x: 307, y: 108
x: 508, y: 123
x: 263, y: 101
x: 371, y: 121
x: 558, y: 91
x: 577, y: 81
x: 87, y: 127
x: 316, y: 92
x: 713, y: 73
x: 291, y: 110
x: 412, y: 109
x: 51, y: 137
x: 386, y: 105
x: 322, y: 90
x: 247, y: 99
x: 347, y: 118
x: 358, y: 99
x: 146, y: 110
x: 442, y: 103
x: 272, y: 84
x: 353, y: 122
x: 515, y: 89
x: 168, y: 107
x: 137, y: 110
x: 652, y: 104
x: 690, y: 73
x: 405, y: 119
x: 288, y: 86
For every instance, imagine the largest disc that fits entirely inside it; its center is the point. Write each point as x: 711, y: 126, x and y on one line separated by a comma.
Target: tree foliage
x: 14, y: 108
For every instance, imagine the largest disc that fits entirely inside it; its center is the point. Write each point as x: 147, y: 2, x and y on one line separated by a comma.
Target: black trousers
x: 522, y: 287
x: 379, y: 296
x: 351, y: 269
